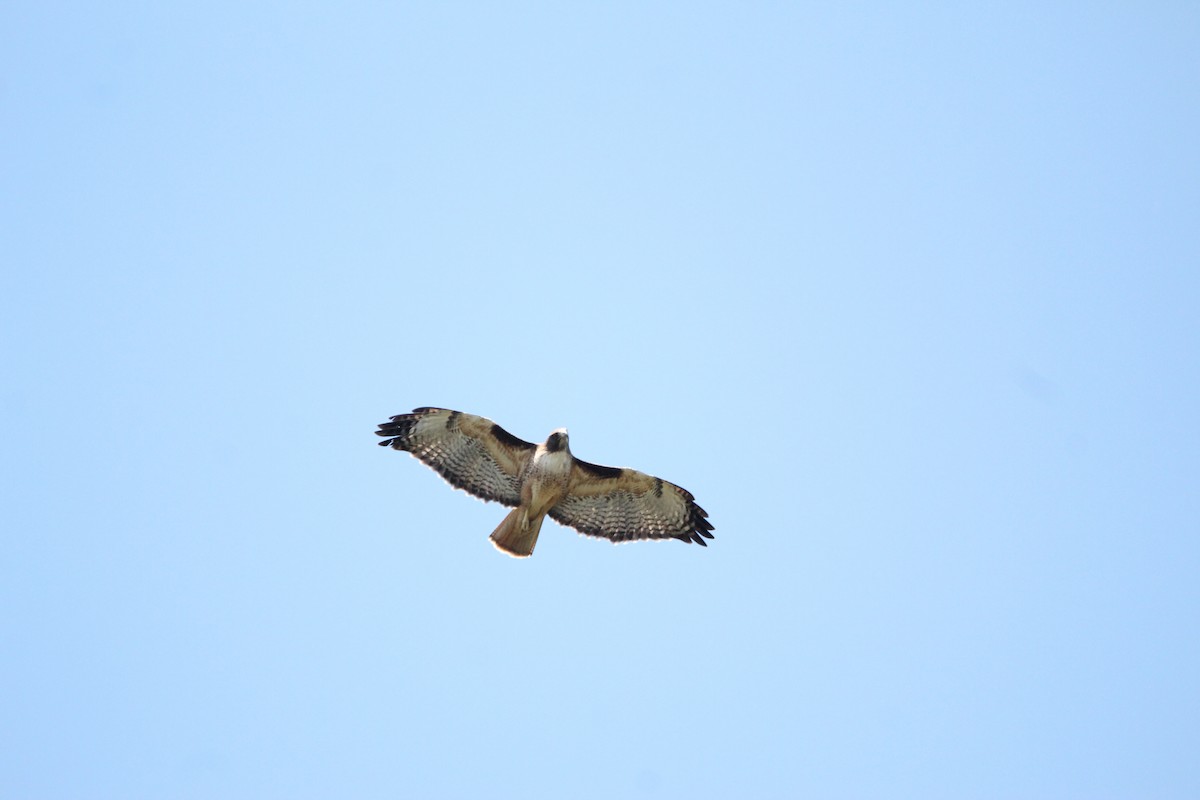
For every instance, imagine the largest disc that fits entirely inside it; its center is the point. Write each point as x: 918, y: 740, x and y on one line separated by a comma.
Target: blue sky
x: 907, y: 297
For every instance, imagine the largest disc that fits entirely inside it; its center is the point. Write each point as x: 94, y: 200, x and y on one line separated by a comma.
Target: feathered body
x: 477, y: 455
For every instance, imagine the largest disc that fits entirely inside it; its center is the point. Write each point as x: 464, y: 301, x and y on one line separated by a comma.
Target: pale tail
x: 515, y: 539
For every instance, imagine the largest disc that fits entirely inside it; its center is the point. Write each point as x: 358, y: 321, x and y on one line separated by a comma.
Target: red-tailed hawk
x: 477, y: 455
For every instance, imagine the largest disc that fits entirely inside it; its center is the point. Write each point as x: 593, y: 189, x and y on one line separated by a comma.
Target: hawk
x: 477, y: 455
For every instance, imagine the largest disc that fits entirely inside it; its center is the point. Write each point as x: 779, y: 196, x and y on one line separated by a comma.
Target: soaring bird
x: 477, y: 455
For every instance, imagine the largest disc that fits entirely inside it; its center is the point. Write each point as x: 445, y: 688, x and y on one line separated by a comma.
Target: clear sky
x: 907, y: 296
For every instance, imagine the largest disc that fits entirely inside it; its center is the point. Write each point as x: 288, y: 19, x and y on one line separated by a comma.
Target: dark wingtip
x: 700, y: 527
x: 695, y: 536
x: 397, y: 428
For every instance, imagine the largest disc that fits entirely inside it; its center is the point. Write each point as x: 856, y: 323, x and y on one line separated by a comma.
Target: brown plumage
x: 478, y: 456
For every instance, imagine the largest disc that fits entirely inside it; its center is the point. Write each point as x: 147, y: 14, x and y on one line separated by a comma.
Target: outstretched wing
x: 470, y: 452
x: 624, y: 505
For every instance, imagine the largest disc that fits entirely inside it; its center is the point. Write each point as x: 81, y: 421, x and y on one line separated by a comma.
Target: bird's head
x: 557, y: 440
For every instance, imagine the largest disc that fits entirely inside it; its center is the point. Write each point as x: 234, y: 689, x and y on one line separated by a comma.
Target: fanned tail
x: 517, y: 534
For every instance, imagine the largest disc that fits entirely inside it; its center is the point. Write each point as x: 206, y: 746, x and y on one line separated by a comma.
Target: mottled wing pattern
x: 624, y: 505
x: 472, y: 453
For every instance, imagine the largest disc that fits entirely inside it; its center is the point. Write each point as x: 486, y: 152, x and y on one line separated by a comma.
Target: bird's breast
x: 546, y: 481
